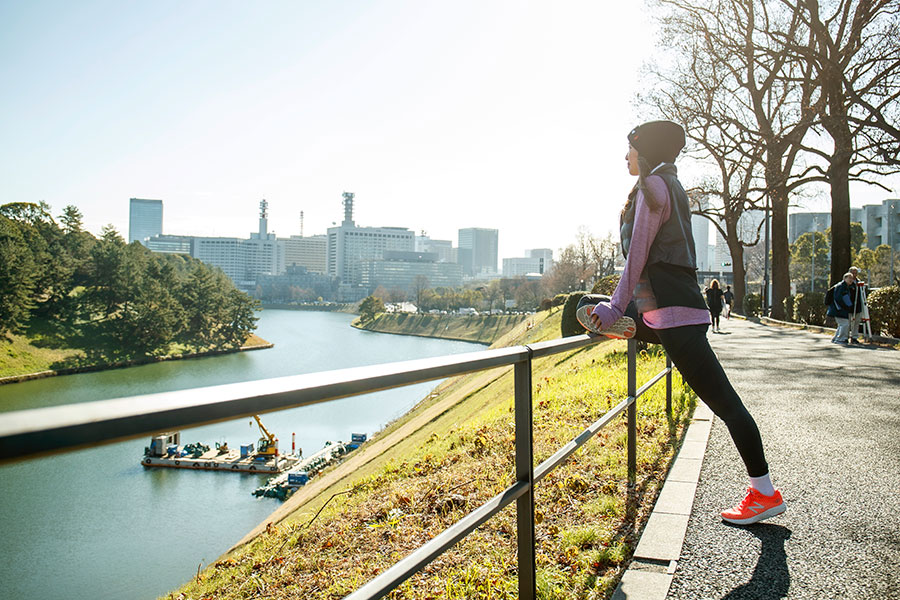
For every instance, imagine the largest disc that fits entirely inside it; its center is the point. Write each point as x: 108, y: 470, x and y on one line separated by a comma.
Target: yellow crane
x: 268, y: 444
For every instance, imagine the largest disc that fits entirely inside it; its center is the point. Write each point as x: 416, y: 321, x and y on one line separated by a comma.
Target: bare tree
x: 581, y: 263
x: 689, y: 91
x: 420, y: 283
x: 740, y: 46
x: 855, y: 54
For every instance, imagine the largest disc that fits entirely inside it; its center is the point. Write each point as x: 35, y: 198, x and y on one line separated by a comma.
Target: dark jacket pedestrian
x: 841, y: 308
x: 714, y: 296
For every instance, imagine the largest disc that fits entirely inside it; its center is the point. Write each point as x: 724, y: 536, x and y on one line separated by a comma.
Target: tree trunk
x: 736, y: 249
x: 781, y: 256
x: 839, y: 176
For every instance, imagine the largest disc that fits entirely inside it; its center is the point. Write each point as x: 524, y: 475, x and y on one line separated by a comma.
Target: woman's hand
x: 604, y: 315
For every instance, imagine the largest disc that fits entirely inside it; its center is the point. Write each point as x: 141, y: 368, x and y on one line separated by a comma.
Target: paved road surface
x: 830, y: 421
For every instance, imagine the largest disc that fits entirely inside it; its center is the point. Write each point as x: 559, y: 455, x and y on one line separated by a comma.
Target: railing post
x: 668, y: 385
x: 525, y: 473
x: 632, y: 411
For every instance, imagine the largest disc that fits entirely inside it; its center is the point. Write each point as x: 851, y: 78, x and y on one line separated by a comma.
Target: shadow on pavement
x: 770, y: 579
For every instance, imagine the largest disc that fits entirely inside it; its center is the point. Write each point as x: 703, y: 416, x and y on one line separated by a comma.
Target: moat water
x: 95, y: 524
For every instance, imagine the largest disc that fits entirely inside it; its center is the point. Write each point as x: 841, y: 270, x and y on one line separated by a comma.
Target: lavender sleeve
x: 647, y: 223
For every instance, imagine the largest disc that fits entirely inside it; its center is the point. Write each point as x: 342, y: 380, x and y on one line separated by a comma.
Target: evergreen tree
x: 17, y: 275
x: 370, y: 307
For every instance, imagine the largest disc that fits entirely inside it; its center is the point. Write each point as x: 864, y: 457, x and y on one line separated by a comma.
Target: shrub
x: 559, y: 299
x: 569, y: 324
x: 546, y: 304
x: 606, y: 285
x: 789, y: 308
x: 884, y: 310
x: 810, y: 308
x: 752, y: 304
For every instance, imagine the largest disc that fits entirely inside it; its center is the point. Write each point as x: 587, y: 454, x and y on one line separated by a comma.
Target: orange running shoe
x: 755, y: 507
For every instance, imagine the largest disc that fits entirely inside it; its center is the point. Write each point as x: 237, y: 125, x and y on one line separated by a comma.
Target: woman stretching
x: 659, y: 290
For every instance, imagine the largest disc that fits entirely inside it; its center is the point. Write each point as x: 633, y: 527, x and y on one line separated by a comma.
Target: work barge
x: 166, y: 451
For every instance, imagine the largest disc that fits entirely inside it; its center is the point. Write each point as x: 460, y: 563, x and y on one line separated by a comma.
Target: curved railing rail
x: 40, y: 432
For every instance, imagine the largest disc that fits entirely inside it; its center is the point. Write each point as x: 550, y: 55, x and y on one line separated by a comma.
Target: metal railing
x: 39, y: 432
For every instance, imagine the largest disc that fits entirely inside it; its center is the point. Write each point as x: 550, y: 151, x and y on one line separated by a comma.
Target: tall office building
x: 537, y: 261
x: 443, y: 248
x: 243, y: 260
x: 309, y: 252
x: 700, y: 230
x: 404, y: 270
x: 349, y: 245
x: 477, y: 251
x: 144, y: 219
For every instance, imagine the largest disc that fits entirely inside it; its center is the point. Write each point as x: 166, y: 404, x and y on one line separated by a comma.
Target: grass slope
x: 44, y: 350
x: 449, y: 455
x: 485, y: 329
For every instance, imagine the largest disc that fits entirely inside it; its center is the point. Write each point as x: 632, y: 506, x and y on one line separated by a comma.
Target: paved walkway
x: 830, y: 422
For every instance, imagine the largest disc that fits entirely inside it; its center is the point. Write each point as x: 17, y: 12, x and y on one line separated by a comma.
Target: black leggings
x: 690, y: 352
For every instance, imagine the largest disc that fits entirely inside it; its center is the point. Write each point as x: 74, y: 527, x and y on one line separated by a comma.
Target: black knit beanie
x: 657, y: 141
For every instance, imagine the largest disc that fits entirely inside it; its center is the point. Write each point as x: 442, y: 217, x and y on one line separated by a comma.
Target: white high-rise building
x: 349, y: 245
x: 881, y: 222
x: 537, y: 262
x: 243, y: 260
x: 700, y: 230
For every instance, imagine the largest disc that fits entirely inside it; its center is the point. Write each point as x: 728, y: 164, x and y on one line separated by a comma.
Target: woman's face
x: 632, y: 158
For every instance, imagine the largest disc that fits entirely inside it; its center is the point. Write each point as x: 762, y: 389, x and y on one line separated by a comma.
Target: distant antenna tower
x: 301, y: 223
x: 263, y: 218
x: 348, y: 208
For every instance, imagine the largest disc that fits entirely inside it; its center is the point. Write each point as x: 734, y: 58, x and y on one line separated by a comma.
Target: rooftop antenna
x: 263, y: 217
x: 348, y: 208
x: 301, y: 223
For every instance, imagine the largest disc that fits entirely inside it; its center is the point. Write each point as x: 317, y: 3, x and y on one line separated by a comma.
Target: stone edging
x: 655, y: 559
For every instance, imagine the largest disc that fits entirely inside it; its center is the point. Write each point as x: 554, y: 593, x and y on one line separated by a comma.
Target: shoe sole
x: 775, y: 510
x: 622, y: 329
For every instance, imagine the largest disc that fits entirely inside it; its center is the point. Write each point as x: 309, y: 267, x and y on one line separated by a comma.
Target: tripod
x: 864, y: 320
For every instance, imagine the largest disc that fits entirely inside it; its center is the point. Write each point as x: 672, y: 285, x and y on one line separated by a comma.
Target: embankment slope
x: 482, y: 329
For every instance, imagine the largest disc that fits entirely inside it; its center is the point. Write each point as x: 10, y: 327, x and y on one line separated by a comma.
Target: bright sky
x: 437, y: 115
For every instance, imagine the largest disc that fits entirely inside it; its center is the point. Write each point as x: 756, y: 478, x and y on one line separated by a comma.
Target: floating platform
x: 165, y: 450
x: 285, y: 484
x: 229, y: 461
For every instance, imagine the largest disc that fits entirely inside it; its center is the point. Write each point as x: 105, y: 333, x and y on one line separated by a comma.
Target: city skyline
x: 439, y: 115
x: 432, y: 113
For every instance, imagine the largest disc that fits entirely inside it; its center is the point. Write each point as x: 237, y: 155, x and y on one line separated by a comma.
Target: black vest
x: 672, y: 261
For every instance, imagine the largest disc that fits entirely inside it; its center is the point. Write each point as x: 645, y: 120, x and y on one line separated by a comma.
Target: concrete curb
x: 652, y: 568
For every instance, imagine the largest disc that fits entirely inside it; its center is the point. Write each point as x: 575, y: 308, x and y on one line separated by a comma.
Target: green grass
x: 19, y: 356
x: 587, y: 521
x: 45, y: 347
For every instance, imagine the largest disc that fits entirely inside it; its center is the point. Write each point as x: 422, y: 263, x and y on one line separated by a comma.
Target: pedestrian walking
x: 658, y: 289
x: 840, y: 307
x: 714, y: 297
x: 728, y: 296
